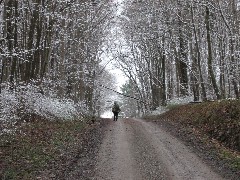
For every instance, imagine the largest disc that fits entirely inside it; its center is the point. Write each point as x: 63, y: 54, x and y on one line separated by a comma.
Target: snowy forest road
x: 137, y: 150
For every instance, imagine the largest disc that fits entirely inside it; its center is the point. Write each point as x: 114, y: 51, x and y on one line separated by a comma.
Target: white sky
x: 114, y: 40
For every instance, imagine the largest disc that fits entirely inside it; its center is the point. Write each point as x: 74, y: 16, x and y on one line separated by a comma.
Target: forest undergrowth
x: 215, y: 125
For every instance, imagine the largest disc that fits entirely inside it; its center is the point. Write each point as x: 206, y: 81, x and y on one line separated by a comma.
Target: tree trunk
x: 222, y: 54
x: 203, y: 89
x: 30, y: 42
x: 46, y: 53
x: 35, y: 68
x: 163, y: 77
x: 13, y: 76
x: 194, y: 72
x: 182, y: 63
x: 210, y: 56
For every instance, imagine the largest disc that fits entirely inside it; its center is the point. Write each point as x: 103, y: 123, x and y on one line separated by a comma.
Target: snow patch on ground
x: 107, y: 114
x: 159, y: 110
x: 175, y: 101
x: 8, y: 106
x: 181, y: 100
x: 13, y: 105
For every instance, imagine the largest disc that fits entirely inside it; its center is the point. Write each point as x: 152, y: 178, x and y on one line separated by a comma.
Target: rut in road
x: 138, y: 150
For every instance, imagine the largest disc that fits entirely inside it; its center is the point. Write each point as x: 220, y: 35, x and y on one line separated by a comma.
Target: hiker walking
x: 115, y: 109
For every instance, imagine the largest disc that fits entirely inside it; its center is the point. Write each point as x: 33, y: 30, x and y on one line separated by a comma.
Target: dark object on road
x: 115, y: 109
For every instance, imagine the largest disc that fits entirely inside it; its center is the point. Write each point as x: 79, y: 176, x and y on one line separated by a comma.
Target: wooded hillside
x: 181, y: 48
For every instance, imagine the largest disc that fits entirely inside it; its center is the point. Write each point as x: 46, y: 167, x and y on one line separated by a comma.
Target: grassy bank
x: 35, y: 145
x: 217, y: 123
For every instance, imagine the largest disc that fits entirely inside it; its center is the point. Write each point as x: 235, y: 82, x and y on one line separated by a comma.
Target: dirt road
x: 138, y: 150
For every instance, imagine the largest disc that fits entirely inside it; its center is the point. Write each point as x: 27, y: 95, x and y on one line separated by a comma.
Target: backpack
x: 115, y: 108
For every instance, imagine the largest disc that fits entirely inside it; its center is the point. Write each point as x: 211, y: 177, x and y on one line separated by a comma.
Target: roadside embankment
x: 212, y: 128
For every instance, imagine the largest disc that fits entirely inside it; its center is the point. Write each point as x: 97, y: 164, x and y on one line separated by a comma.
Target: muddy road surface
x: 137, y: 150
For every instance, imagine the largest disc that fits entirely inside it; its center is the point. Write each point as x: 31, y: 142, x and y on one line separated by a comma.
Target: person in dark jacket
x: 115, y: 109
